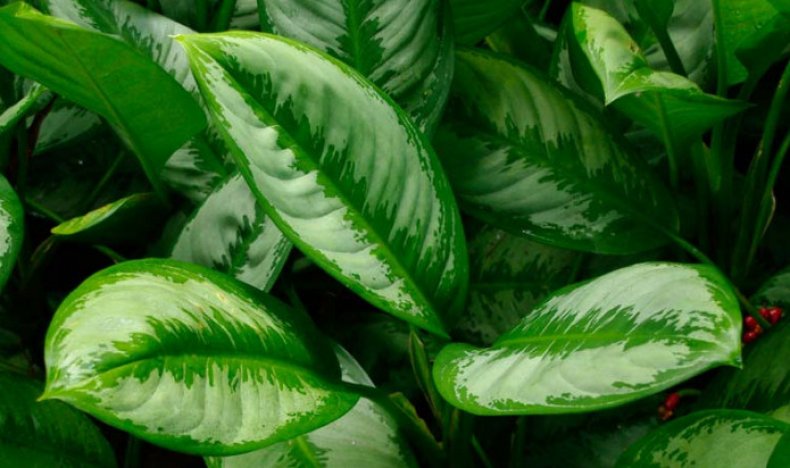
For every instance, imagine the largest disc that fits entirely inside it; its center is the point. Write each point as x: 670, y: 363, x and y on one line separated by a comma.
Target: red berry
x: 764, y: 312
x: 749, y: 336
x: 758, y: 330
x: 672, y: 400
x: 749, y: 322
x: 774, y: 315
x: 664, y: 413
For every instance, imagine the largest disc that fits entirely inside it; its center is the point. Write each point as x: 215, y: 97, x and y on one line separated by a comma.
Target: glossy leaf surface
x: 668, y: 104
x: 403, y: 46
x: 36, y: 98
x: 129, y: 219
x: 737, y: 439
x: 473, y: 20
x: 366, y: 436
x: 620, y: 337
x: 528, y: 157
x: 508, y: 276
x: 340, y: 170
x: 46, y: 434
x: 231, y: 233
x: 12, y: 228
x: 74, y: 63
x: 190, y: 359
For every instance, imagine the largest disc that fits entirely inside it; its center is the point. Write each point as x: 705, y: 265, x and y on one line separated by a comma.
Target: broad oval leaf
x: 508, y: 276
x: 190, y: 359
x: 668, y: 104
x: 130, y: 219
x: 528, y: 157
x: 104, y: 75
x: 473, y: 20
x: 12, y: 229
x: 46, y: 434
x: 620, y: 337
x: 340, y: 170
x: 231, y: 233
x: 736, y: 439
x: 403, y: 46
x: 366, y: 436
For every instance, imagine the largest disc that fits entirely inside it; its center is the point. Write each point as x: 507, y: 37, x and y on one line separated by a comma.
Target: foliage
x: 394, y: 233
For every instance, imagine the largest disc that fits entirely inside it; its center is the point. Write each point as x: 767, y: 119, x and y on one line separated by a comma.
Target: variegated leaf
x: 625, y: 335
x: 190, y: 359
x: 12, y: 229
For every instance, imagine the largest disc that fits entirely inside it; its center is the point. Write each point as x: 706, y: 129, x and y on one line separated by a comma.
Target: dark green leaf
x: 35, y: 99
x: 741, y: 19
x: 66, y: 123
x: 104, y: 75
x: 672, y: 106
x: 473, y: 20
x: 775, y: 291
x: 190, y: 359
x: 130, y: 219
x: 508, y: 276
x: 12, y: 228
x: 366, y: 436
x: 403, y: 46
x: 529, y: 157
x: 519, y: 37
x: 769, y: 44
x: 231, y: 233
x: 46, y: 434
x: 340, y: 170
x: 735, y: 439
x: 620, y: 337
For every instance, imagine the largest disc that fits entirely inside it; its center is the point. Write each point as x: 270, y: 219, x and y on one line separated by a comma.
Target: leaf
x: 775, y: 291
x: 12, y: 229
x: 73, y: 62
x: 509, y: 275
x: 670, y: 105
x: 128, y: 220
x: 35, y: 99
x: 474, y: 20
x: 340, y: 170
x: 366, y: 436
x: 191, y: 360
x: 709, y: 438
x: 740, y: 19
x: 46, y: 434
x: 231, y: 233
x: 529, y: 157
x: 65, y: 124
x: 765, y: 46
x: 403, y: 46
x: 519, y: 37
x: 599, y: 344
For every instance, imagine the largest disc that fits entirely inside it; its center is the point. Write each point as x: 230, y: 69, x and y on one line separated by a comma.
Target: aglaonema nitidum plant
x: 394, y: 233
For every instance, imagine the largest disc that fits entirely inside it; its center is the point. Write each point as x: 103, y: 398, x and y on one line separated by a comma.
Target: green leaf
x: 190, y: 359
x: 46, y: 434
x: 340, y: 170
x: 519, y: 37
x: 129, y: 220
x: 35, y: 99
x: 366, y: 436
x: 403, y: 46
x: 736, y: 439
x: 12, y: 229
x: 473, y: 20
x: 618, y: 338
x: 231, y: 233
x: 740, y: 20
x: 672, y: 106
x: 76, y: 64
x: 775, y: 291
x: 65, y: 124
x: 769, y: 44
x: 529, y: 157
x: 508, y: 276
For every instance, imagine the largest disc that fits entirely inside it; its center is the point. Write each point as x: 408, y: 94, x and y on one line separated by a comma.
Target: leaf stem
x: 201, y: 15
x: 664, y: 40
x: 223, y: 17
x: 544, y: 11
x: 669, y: 144
x: 519, y: 441
x: 94, y: 195
x: 481, y: 453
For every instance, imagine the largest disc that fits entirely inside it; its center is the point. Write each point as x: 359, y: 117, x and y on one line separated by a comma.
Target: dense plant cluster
x: 394, y: 233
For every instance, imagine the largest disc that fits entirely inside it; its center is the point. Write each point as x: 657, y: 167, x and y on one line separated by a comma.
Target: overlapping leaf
x: 65, y: 123
x: 46, y: 434
x: 531, y: 158
x: 404, y: 46
x: 366, y: 436
x: 231, y: 233
x: 190, y: 359
x: 625, y: 335
x: 12, y: 228
x: 474, y: 20
x: 670, y: 105
x: 737, y: 439
x: 105, y: 75
x: 340, y: 170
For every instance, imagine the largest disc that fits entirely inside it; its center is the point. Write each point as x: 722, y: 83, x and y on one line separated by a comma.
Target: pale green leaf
x: 12, y: 229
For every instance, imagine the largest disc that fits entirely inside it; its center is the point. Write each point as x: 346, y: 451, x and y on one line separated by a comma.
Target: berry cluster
x: 667, y: 409
x: 752, y: 329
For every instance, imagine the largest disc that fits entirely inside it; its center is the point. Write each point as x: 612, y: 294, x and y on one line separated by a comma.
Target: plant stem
x: 94, y: 195
x: 422, y: 373
x: 544, y: 10
x: 201, y: 15
x: 481, y: 453
x: 669, y: 144
x: 664, y: 40
x: 131, y: 458
x: 222, y: 19
x: 519, y: 439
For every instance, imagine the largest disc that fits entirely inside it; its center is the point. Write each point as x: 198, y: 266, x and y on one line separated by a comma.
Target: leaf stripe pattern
x: 190, y: 359
x: 340, y: 170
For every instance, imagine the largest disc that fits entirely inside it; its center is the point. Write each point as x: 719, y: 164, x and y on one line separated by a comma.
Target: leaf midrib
x: 608, y: 337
